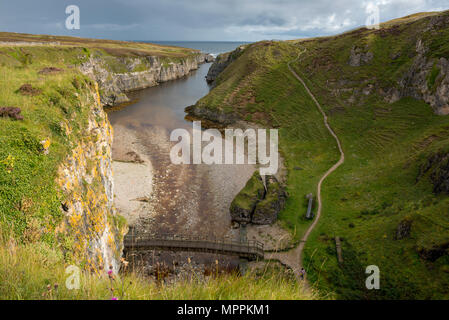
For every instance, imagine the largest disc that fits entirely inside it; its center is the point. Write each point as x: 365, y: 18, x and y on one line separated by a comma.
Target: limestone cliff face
x: 427, y: 79
x: 222, y: 61
x: 116, y: 75
x: 94, y: 230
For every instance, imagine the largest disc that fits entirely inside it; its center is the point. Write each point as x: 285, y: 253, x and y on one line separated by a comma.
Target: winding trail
x: 293, y: 258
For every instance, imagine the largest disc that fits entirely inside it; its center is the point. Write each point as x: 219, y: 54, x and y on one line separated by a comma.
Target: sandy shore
x: 133, y: 175
x: 159, y: 198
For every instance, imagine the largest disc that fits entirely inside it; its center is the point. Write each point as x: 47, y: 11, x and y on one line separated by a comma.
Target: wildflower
x: 111, y: 273
x: 114, y: 298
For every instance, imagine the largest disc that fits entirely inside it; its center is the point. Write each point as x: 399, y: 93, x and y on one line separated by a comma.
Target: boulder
x: 403, y: 229
x: 28, y: 90
x: 209, y: 58
x: 267, y: 210
x: 434, y: 252
x: 243, y: 205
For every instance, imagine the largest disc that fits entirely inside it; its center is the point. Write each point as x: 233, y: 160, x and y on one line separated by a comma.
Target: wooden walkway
x: 250, y: 250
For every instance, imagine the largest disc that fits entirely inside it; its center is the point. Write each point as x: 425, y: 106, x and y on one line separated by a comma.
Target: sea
x: 212, y: 47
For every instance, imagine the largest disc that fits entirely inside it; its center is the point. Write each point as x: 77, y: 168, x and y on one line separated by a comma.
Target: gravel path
x: 293, y: 258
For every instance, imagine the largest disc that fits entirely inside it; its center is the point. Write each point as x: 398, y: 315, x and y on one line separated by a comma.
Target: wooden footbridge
x: 249, y: 250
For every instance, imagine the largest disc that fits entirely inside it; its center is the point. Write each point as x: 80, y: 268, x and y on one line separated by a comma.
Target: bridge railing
x: 195, y: 242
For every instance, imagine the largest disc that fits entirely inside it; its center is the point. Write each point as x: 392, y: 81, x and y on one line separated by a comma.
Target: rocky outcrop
x: 437, y: 168
x: 433, y: 253
x: 221, y: 62
x: 427, y: 79
x: 208, y: 58
x: 118, y: 75
x: 267, y: 210
x: 85, y: 178
x: 28, y: 90
x: 11, y: 112
x: 360, y: 57
x: 258, y: 202
x: 403, y: 229
x: 243, y: 205
x: 213, y: 115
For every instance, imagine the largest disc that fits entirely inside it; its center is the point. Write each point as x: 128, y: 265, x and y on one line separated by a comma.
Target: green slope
x: 386, y: 145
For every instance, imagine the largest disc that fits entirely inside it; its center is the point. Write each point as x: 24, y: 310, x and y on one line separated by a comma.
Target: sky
x: 206, y: 20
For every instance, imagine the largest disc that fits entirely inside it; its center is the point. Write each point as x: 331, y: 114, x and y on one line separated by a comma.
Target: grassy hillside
x: 379, y: 188
x: 29, y: 199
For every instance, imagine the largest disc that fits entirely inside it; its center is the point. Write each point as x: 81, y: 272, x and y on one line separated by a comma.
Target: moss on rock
x: 267, y: 210
x: 246, y: 200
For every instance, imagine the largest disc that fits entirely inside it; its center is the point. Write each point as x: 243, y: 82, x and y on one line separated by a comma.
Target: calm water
x: 164, y: 105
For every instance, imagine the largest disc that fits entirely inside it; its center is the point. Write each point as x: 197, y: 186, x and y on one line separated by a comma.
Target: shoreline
x: 133, y: 175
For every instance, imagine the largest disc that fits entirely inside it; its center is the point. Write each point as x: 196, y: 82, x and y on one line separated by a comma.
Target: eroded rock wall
x: 428, y: 80
x: 91, y: 225
x: 136, y: 73
x: 92, y: 229
x: 222, y: 61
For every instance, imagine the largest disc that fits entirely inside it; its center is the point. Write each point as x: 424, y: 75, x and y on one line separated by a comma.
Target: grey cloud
x: 202, y: 20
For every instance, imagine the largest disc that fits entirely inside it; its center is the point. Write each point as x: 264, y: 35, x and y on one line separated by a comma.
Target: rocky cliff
x: 118, y: 75
x: 222, y: 61
x: 427, y: 79
x: 85, y: 178
x: 259, y: 202
x: 216, y: 116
